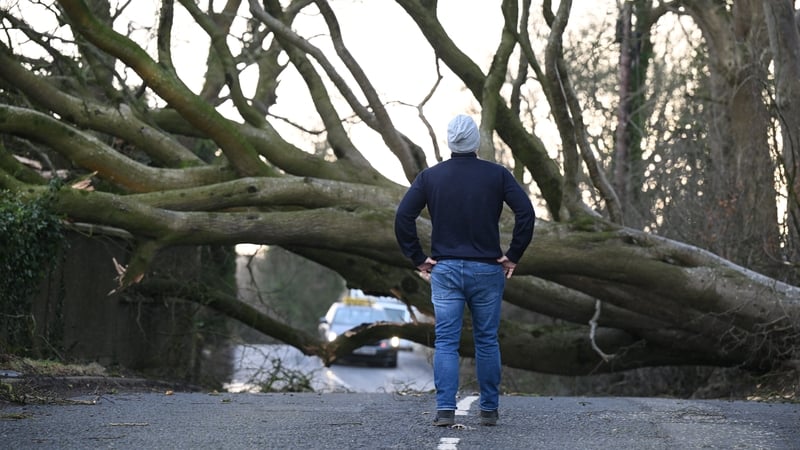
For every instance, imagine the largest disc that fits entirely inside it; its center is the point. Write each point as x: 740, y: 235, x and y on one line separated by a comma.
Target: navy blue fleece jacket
x: 465, y: 197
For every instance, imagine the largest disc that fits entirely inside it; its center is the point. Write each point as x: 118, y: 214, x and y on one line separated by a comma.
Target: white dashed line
x: 448, y: 443
x: 462, y: 407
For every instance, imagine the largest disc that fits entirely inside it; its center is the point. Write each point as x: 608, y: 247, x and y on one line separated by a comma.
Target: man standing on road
x: 465, y: 197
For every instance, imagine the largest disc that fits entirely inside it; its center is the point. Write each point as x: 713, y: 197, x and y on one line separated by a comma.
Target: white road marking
x: 462, y: 407
x: 448, y: 443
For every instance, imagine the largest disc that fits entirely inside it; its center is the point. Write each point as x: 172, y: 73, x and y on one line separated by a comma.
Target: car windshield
x: 356, y: 315
x: 396, y: 315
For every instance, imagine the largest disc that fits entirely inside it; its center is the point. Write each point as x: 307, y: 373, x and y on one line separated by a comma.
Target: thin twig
x: 593, y: 329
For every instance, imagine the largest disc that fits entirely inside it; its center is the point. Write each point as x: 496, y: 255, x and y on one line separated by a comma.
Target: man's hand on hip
x: 426, y: 267
x: 508, y: 266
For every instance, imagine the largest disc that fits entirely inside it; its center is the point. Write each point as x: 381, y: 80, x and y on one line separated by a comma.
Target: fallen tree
x: 135, y: 161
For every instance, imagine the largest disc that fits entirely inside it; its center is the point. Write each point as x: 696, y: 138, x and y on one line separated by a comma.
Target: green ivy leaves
x: 30, y: 238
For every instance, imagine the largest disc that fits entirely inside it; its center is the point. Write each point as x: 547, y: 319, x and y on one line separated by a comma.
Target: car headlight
x: 331, y: 335
x: 394, y: 342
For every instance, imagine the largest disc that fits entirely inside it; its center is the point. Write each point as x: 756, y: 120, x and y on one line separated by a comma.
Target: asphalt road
x: 393, y: 421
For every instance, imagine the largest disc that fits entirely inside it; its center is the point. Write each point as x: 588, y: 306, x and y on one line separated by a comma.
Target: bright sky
x: 393, y: 53
x: 385, y: 42
x: 389, y: 47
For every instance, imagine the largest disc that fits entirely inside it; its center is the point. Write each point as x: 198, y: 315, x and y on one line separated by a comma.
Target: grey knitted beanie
x: 463, y: 135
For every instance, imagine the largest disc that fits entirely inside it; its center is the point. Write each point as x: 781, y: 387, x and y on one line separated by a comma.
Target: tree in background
x: 292, y: 289
x: 144, y: 154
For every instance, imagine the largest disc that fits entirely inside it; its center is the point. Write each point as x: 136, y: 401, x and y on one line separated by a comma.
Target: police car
x: 352, y: 312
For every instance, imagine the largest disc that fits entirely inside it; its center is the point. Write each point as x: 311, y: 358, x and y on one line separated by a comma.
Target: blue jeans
x: 454, y: 284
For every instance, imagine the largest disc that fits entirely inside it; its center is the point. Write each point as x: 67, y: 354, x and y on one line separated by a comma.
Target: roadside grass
x: 49, y: 367
x: 32, y: 380
x: 42, y: 382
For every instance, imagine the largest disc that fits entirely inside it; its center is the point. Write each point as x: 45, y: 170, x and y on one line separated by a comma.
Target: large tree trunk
x: 741, y: 222
x: 785, y: 46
